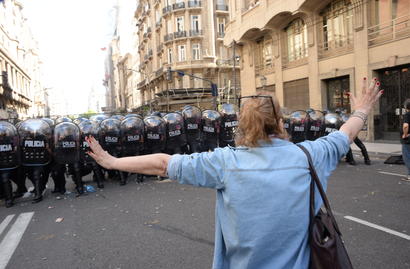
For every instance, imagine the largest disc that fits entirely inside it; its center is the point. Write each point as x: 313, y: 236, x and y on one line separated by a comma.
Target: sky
x: 70, y: 36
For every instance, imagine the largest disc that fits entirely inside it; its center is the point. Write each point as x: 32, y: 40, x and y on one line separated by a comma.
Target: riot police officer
x: 175, y: 139
x: 332, y: 122
x: 229, y: 124
x: 67, y: 152
x: 9, y: 160
x: 192, y: 122
x: 132, y: 139
x: 155, y: 134
x: 314, y: 125
x: 110, y: 139
x: 35, y: 144
x: 211, y: 122
x: 297, y: 126
x: 286, y: 119
x: 90, y: 128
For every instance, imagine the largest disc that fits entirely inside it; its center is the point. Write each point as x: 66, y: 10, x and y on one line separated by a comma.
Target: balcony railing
x: 160, y: 48
x: 389, y: 31
x: 335, y: 47
x: 224, y: 62
x: 180, y: 34
x: 194, y: 33
x: 158, y: 24
x: 168, y: 37
x: 180, y: 5
x: 220, y: 34
x: 166, y: 10
x: 192, y: 4
x: 222, y: 7
x: 159, y: 72
x: 141, y: 84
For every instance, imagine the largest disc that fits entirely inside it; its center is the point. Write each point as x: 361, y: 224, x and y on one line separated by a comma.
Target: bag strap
x: 315, y: 180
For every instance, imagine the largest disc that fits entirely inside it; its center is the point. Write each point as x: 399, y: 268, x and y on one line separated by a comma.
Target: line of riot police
x: 311, y: 124
x: 38, y: 149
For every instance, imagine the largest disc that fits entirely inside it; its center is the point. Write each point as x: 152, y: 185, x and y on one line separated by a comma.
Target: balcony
x: 141, y: 46
x: 223, y: 8
x: 196, y: 33
x: 169, y: 37
x: 194, y: 4
x: 177, y: 6
x: 166, y: 10
x: 337, y: 47
x: 158, y: 24
x: 159, y: 72
x: 141, y: 84
x: 393, y: 30
x: 220, y: 35
x: 224, y: 62
x: 160, y: 48
x: 180, y: 34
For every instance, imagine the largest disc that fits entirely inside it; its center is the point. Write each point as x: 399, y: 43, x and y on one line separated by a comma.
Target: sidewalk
x: 379, y: 149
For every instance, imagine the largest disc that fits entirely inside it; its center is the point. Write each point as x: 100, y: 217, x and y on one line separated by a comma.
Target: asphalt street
x: 161, y: 224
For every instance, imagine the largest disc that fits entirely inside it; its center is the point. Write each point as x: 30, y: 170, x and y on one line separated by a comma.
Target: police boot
x: 38, y: 185
x: 98, y: 176
x: 123, y: 178
x: 366, y: 158
x: 140, y: 178
x: 78, y: 181
x: 19, y: 178
x: 8, y: 193
x: 38, y: 191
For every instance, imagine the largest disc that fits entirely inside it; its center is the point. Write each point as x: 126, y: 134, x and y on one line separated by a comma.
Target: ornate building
x: 185, y: 37
x: 311, y: 52
x: 21, y: 91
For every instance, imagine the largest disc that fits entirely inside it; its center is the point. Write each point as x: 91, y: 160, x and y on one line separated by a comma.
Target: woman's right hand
x: 370, y: 95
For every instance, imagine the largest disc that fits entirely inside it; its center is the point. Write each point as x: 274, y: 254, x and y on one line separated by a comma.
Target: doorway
x: 396, y: 85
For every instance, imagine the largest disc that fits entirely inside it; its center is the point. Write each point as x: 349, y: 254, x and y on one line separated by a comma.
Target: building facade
x: 185, y: 37
x: 311, y: 52
x: 21, y: 92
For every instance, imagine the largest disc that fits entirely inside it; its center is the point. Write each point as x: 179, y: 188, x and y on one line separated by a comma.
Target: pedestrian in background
x: 405, y: 139
x: 262, y: 204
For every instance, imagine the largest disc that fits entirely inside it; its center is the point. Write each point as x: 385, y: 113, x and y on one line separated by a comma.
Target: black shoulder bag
x: 327, y: 250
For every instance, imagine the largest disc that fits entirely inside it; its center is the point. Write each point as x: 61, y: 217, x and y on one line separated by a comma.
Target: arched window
x: 297, y: 44
x: 337, y: 24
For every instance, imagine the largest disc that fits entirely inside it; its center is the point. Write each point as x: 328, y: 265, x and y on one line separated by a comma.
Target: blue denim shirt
x: 262, y: 199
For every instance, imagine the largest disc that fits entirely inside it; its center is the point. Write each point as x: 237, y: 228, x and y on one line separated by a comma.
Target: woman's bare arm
x: 364, y: 104
x: 152, y: 164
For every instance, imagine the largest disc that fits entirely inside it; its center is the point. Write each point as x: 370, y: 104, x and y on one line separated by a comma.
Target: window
x: 157, y: 16
x: 196, y: 51
x: 337, y: 24
x: 296, y: 94
x: 181, y: 53
x: 383, y: 11
x: 267, y: 53
x: 180, y: 24
x: 195, y: 26
x: 221, y: 26
x: 336, y: 93
x: 297, y: 40
x: 169, y: 56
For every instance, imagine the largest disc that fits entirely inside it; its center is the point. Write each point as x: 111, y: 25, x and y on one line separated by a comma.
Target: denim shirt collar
x: 275, y: 142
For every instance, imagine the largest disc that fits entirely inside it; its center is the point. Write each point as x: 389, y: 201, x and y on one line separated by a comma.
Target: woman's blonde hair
x: 258, y: 120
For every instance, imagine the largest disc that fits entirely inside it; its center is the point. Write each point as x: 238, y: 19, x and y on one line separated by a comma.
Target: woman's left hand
x: 101, y: 156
